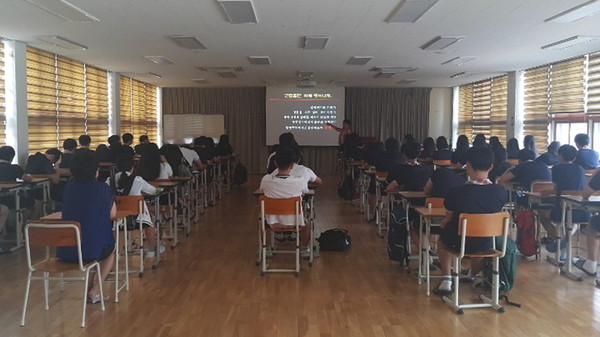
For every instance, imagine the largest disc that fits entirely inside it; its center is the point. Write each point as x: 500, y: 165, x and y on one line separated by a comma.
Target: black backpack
x: 337, y: 240
x: 240, y: 175
x: 398, y: 236
x: 347, y: 190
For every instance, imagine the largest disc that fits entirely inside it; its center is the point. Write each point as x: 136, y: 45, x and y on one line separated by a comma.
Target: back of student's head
x: 499, y: 154
x: 481, y: 158
x: 7, y: 153
x: 553, y: 147
x: 408, y: 138
x: 392, y: 145
x: 429, y: 146
x: 174, y: 157
x: 144, y: 139
x: 70, y: 144
x: 441, y: 143
x: 375, y: 147
x: 285, y: 157
x: 479, y: 140
x: 462, y: 144
x: 125, y: 163
x: 582, y: 139
x: 526, y: 155
x: 199, y: 141
x: 55, y: 153
x: 567, y: 152
x: 127, y: 138
x: 529, y: 143
x: 288, y: 139
x: 149, y: 166
x: 224, y: 140
x: 84, y: 166
x: 85, y: 140
x: 114, y: 140
x: 412, y: 150
x: 495, y: 142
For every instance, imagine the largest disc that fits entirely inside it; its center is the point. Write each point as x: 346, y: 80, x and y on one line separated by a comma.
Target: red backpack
x: 526, y: 241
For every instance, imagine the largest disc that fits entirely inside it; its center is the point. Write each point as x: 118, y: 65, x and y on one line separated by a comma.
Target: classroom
x: 300, y: 168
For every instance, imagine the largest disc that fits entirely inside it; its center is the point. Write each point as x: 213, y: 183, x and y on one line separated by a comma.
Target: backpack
x: 240, y: 175
x: 526, y: 233
x: 397, y: 245
x: 337, y: 240
x: 347, y: 190
x: 508, y: 269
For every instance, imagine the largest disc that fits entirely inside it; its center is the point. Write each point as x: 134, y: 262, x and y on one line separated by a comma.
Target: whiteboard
x: 182, y: 129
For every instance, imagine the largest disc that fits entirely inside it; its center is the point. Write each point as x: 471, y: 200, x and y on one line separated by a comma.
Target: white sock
x: 446, y: 284
x: 590, y: 266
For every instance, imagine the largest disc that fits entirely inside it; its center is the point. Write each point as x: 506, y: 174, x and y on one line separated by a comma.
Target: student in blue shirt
x: 587, y: 158
x: 443, y: 150
x: 590, y: 265
x: 390, y: 157
x: 550, y: 158
x: 527, y: 171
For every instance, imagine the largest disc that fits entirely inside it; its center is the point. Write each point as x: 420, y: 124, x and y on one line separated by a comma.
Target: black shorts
x: 451, y: 240
x: 104, y: 254
x: 578, y: 215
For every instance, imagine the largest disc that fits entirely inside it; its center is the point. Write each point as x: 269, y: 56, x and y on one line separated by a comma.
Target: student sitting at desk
x: 458, y: 157
x: 127, y: 139
x: 568, y: 177
x: 373, y: 152
x: 512, y: 148
x: 283, y: 185
x: 500, y: 164
x: 47, y: 163
x: 138, y: 149
x: 152, y: 165
x: 590, y: 265
x: 125, y: 182
x: 428, y: 150
x: 69, y: 147
x: 192, y: 158
x: 84, y: 142
x: 174, y: 158
x: 478, y: 195
x: 527, y: 171
x: 442, y: 181
x: 409, y: 176
x: 443, y: 151
x: 391, y: 157
x: 115, y: 147
x: 303, y: 172
x: 587, y: 158
x: 224, y: 148
x: 550, y: 158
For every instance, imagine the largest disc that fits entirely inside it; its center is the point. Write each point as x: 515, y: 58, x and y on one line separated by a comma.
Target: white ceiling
x: 506, y: 35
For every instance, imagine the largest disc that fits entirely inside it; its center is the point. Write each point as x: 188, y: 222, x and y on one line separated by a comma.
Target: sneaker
x: 551, y: 246
x: 151, y: 252
x: 269, y: 252
x: 96, y: 299
x: 305, y: 253
x: 279, y: 237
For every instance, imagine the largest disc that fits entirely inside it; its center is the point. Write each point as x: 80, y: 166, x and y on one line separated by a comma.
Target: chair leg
x: 126, y: 240
x: 27, y: 286
x: 46, y: 290
x: 85, y: 295
x: 100, y: 286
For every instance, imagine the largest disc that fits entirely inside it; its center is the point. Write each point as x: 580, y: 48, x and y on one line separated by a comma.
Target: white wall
x: 440, y: 112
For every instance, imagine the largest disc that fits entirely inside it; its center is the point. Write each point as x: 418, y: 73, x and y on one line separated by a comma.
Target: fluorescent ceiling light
x: 406, y: 81
x: 199, y: 80
x: 316, y: 42
x: 464, y: 74
x: 441, y: 42
x: 386, y: 69
x: 155, y: 75
x: 384, y: 75
x: 570, y: 42
x: 259, y: 60
x: 576, y: 13
x: 239, y: 11
x: 228, y: 74
x: 460, y: 60
x: 60, y: 41
x: 159, y: 60
x: 187, y: 42
x: 222, y: 69
x: 359, y: 60
x: 64, y: 10
x: 305, y: 74
x: 410, y: 10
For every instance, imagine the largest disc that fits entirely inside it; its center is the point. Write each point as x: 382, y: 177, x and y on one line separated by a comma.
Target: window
x: 482, y: 108
x: 2, y: 98
x: 138, y: 108
x: 65, y: 99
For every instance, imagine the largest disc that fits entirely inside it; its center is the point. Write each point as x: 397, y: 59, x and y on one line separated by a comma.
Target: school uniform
x: 444, y: 180
x: 166, y: 171
x: 189, y: 155
x: 66, y: 161
x: 410, y: 177
x: 498, y: 170
x: 300, y: 171
x: 138, y: 187
x: 548, y: 158
x: 283, y: 187
x: 39, y: 164
x: 529, y: 172
x: 442, y: 155
x: 12, y: 172
x: 587, y: 158
x: 568, y: 177
x: 388, y: 160
x: 458, y: 158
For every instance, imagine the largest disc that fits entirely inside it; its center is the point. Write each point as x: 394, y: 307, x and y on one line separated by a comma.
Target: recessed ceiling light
x: 187, y: 42
x: 239, y: 11
x: 576, y: 13
x: 316, y: 42
x: 441, y: 42
x: 305, y: 74
x: 359, y: 60
x: 159, y: 60
x: 199, y: 80
x: 386, y: 69
x: 228, y: 74
x: 406, y: 81
x: 62, y: 42
x: 570, y: 42
x: 410, y: 10
x: 259, y: 60
x: 460, y: 60
x: 64, y: 10
x: 384, y: 75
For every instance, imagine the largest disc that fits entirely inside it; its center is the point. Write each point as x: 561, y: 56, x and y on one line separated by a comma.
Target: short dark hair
x: 144, y: 138
x: 347, y: 121
x: 124, y: 162
x: 567, y: 152
x: 441, y: 143
x: 481, y: 158
x: 84, y: 166
x: 127, y: 137
x: 7, y: 153
x: 114, y: 139
x: 70, y: 144
x: 499, y: 154
x: 526, y: 155
x: 553, y: 147
x: 85, y: 140
x: 54, y: 152
x: 412, y: 150
x: 392, y: 144
x: 285, y: 157
x: 582, y: 139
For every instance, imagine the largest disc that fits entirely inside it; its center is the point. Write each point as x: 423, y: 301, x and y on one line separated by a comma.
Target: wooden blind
x: 593, y: 84
x: 138, y: 108
x: 481, y: 107
x: 566, y: 92
x: 536, y: 101
x: 65, y: 99
x: 465, y: 111
x: 2, y: 98
x: 498, y: 107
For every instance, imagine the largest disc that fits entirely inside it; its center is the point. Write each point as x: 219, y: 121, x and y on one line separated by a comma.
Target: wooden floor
x: 210, y: 286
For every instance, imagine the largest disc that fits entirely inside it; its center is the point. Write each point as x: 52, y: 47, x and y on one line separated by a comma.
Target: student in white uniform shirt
x: 192, y: 158
x: 152, y: 165
x: 127, y: 183
x: 303, y: 172
x: 283, y: 185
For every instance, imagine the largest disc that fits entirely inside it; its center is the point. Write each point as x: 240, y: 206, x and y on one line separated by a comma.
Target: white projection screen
x: 182, y: 129
x: 304, y: 112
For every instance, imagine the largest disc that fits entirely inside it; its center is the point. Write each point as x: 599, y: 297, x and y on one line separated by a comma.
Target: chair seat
x: 282, y: 228
x: 485, y: 253
x: 56, y: 265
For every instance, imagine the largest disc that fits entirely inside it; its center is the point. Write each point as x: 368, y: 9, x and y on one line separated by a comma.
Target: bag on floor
x: 337, y: 240
x: 240, y: 175
x: 347, y: 190
x: 507, y: 269
x: 526, y: 241
x: 397, y: 245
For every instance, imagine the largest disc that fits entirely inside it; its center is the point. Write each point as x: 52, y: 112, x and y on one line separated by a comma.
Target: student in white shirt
x: 283, y: 185
x: 303, y: 172
x: 192, y: 158
x: 127, y: 183
x: 152, y: 165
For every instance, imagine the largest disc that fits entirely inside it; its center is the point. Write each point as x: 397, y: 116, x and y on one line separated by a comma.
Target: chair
x: 424, y: 245
x: 381, y: 203
x: 133, y: 204
x: 270, y: 206
x: 480, y: 225
x: 442, y: 163
x: 57, y: 234
x: 543, y: 187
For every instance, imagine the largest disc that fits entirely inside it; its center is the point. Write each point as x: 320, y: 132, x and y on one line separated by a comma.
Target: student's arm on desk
x: 317, y: 181
x: 428, y: 187
x: 447, y: 219
x: 113, y: 211
x: 392, y: 187
x: 506, y: 177
x: 27, y: 178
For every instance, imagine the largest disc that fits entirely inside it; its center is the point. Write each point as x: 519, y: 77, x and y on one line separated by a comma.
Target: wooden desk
x: 170, y: 189
x: 426, y: 215
x: 407, y: 197
x: 9, y: 187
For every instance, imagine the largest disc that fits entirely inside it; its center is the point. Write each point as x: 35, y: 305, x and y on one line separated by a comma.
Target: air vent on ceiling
x: 200, y: 80
x: 570, y: 42
x: 460, y: 60
x: 359, y: 60
x: 187, y: 42
x: 159, y: 60
x: 305, y: 74
x: 64, y: 10
x: 228, y: 74
x: 222, y: 69
x: 142, y: 75
x: 464, y: 74
x: 576, y: 13
x: 259, y: 60
x: 316, y: 42
x: 410, y: 10
x: 386, y: 69
x: 338, y: 82
x: 384, y: 75
x: 239, y: 11
x: 441, y: 42
x: 62, y: 42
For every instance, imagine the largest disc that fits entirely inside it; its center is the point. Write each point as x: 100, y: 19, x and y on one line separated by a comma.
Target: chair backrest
x: 543, y: 186
x: 272, y: 206
x: 442, y: 162
x: 130, y: 203
x: 434, y: 202
x: 52, y: 234
x: 381, y: 174
x: 591, y: 172
x: 572, y: 192
x: 483, y: 225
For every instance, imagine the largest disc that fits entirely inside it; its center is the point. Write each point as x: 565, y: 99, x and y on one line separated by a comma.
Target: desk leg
x: 157, y: 226
x: 556, y: 259
x: 117, y: 256
x: 567, y: 268
x: 19, y: 221
x: 421, y: 251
